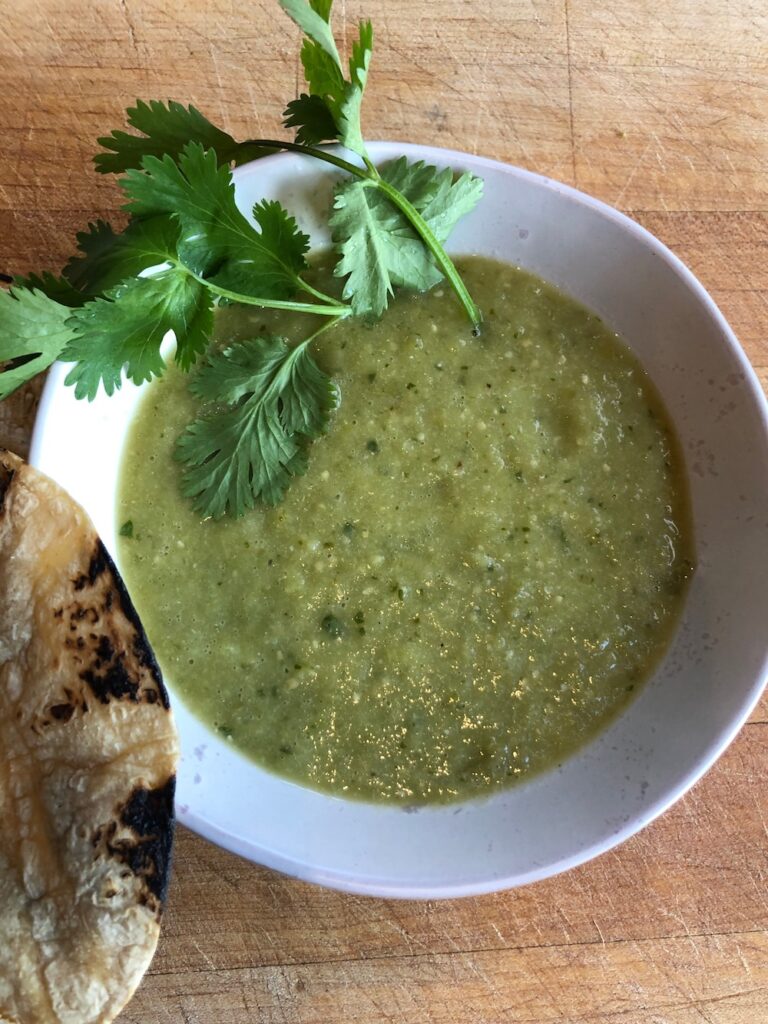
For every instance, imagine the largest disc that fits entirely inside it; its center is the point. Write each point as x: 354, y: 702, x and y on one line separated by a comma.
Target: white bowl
x: 713, y: 672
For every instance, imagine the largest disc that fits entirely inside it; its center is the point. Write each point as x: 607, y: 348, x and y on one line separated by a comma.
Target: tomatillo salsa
x: 483, y: 563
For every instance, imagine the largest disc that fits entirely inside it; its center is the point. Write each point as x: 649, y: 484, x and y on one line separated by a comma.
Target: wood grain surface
x: 659, y: 109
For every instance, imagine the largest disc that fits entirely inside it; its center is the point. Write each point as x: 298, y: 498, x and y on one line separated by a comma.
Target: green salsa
x: 483, y: 563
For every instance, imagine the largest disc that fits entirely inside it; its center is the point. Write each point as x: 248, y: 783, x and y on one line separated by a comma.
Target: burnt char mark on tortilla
x: 66, y: 705
x: 105, y: 650
x: 148, y: 813
x: 107, y: 675
x: 115, y: 681
x: 98, y: 565
x: 62, y: 712
x: 141, y: 648
x: 6, y: 479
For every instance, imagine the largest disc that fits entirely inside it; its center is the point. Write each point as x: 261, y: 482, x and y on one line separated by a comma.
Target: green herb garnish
x: 187, y: 247
x: 274, y: 397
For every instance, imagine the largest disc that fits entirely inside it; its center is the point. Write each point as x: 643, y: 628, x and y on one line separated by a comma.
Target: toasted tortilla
x: 88, y: 753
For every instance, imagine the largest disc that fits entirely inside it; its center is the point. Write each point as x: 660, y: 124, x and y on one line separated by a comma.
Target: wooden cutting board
x: 657, y: 109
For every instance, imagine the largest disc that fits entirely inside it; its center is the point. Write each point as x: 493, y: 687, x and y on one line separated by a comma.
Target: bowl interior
x: 705, y: 686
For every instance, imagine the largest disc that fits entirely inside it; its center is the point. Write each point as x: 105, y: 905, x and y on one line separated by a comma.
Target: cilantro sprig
x: 187, y: 247
x: 274, y: 399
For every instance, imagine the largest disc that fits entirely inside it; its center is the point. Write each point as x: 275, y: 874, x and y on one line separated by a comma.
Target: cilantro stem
x: 369, y: 173
x: 296, y: 147
x: 328, y: 300
x: 323, y: 327
x: 328, y: 308
x: 372, y: 171
x: 442, y: 258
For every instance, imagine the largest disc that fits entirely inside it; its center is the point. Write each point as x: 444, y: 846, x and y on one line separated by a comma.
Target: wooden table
x: 658, y: 108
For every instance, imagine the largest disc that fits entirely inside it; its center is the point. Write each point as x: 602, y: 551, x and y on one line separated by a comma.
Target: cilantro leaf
x: 350, y: 132
x: 56, y: 288
x: 95, y: 244
x: 440, y: 197
x: 332, y: 108
x: 34, y: 331
x: 166, y: 129
x: 313, y: 119
x: 313, y: 20
x: 274, y: 399
x: 216, y: 241
x: 325, y: 78
x: 372, y: 237
x: 379, y: 247
x: 271, y: 270
x: 109, y: 258
x: 127, y: 326
x: 323, y: 74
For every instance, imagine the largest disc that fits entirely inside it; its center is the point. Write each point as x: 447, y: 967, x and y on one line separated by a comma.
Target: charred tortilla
x: 88, y: 754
